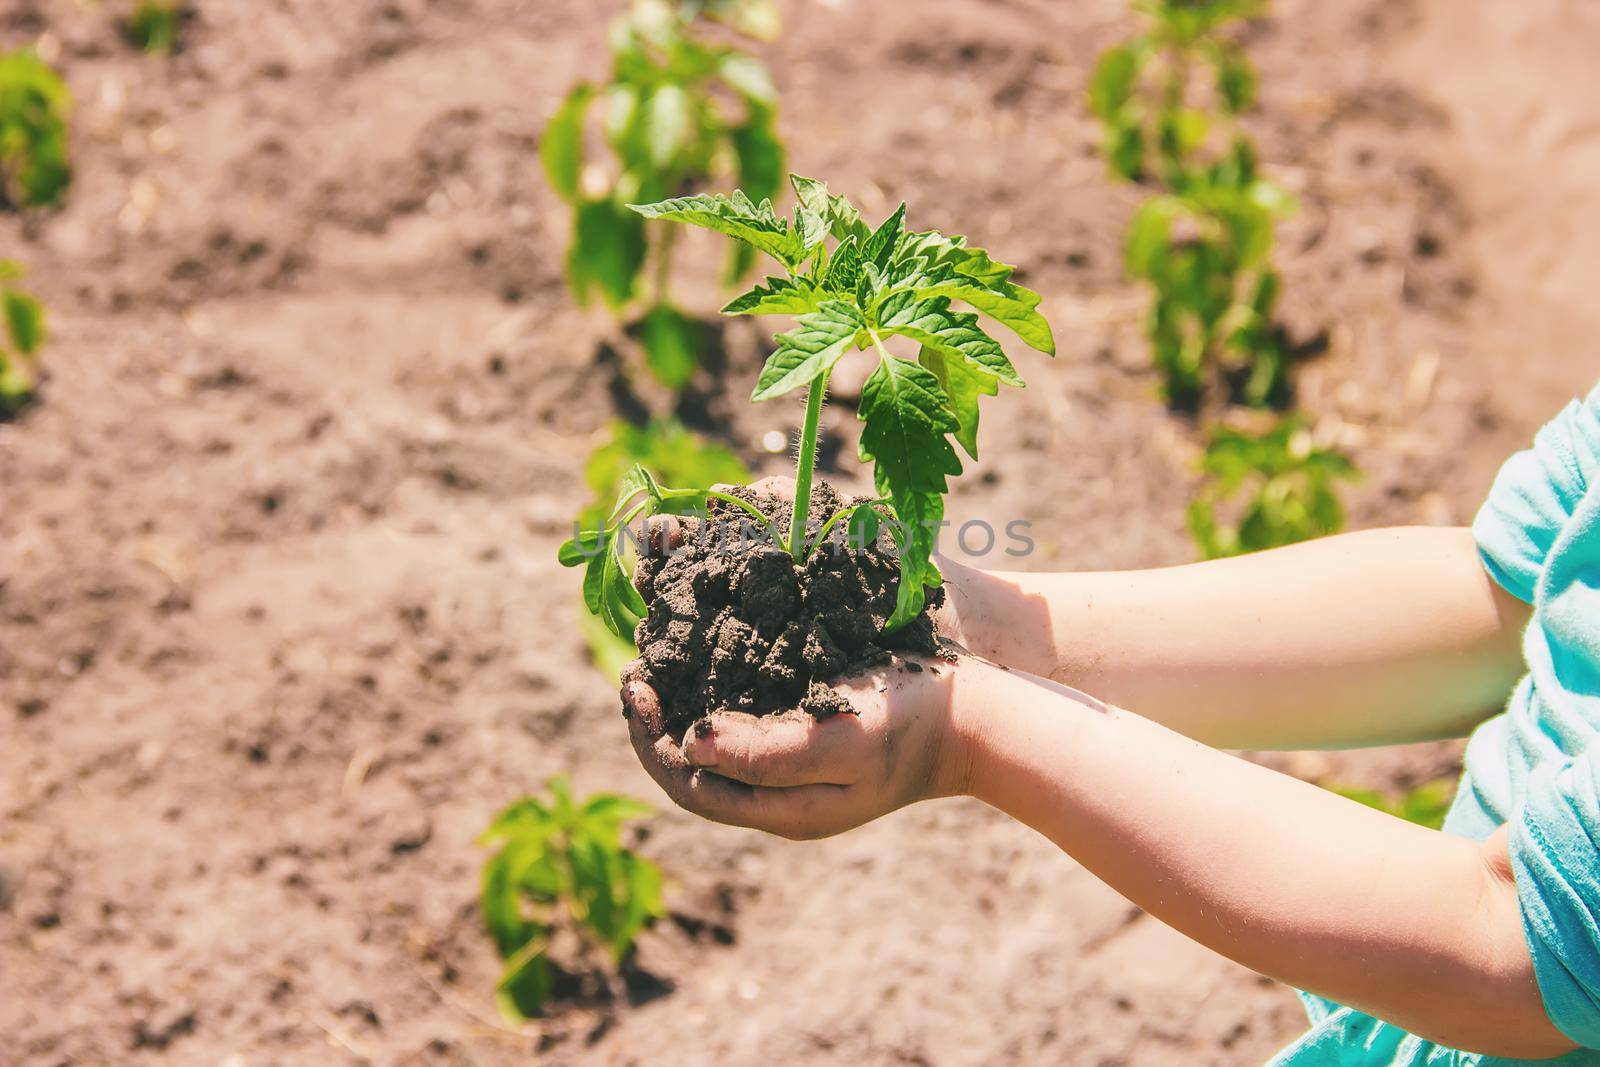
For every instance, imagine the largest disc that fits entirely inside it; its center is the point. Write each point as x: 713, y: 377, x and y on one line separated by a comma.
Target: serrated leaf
x: 735, y: 216
x: 963, y: 384
x: 1010, y: 305
x: 907, y: 417
x: 844, y: 269
x: 809, y: 350
x: 842, y: 217
x: 779, y: 296
x: 877, y: 248
x: 561, y: 145
x: 932, y: 322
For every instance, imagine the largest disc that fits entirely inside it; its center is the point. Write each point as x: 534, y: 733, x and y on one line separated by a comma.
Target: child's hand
x: 800, y: 777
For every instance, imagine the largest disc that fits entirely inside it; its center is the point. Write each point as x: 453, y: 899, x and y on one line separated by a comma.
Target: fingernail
x: 637, y: 702
x: 700, y: 743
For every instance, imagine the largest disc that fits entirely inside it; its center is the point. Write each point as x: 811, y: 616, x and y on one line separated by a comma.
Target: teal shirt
x: 1537, y: 765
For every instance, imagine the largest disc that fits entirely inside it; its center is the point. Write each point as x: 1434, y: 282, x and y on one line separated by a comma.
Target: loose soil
x: 281, y: 621
x: 736, y: 625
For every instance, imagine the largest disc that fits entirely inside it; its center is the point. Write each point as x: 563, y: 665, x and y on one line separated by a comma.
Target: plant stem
x: 717, y: 494
x: 805, y: 463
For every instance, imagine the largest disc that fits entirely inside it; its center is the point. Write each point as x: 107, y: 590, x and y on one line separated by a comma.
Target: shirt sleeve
x: 1553, y: 856
x: 1535, y: 494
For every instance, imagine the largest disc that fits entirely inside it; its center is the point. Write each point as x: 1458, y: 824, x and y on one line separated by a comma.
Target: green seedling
x: 1205, y: 244
x: 22, y: 338
x: 680, y: 458
x: 34, y: 109
x: 561, y: 862
x: 850, y: 294
x: 157, y: 25
x: 1426, y: 805
x: 1281, y: 488
x: 668, y: 122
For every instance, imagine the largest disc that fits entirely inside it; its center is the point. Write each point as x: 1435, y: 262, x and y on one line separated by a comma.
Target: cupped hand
x: 800, y: 777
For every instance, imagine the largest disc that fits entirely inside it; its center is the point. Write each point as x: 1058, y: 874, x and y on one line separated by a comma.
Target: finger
x: 659, y: 754
x: 780, y: 485
x: 800, y: 813
x: 777, y: 750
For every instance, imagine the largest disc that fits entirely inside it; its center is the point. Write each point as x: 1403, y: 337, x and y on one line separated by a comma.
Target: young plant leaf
x: 906, y: 419
x: 671, y: 344
x: 963, y: 384
x: 779, y: 296
x: 809, y: 350
x: 737, y: 217
x: 561, y: 145
x: 932, y: 323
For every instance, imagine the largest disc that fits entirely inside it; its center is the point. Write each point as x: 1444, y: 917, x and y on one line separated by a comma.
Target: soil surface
x: 736, y: 625
x: 281, y: 620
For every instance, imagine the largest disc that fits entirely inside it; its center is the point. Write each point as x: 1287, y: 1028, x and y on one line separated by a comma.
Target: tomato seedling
x: 1287, y: 485
x: 1205, y: 244
x: 669, y: 127
x: 562, y: 861
x: 34, y: 109
x: 21, y: 341
x: 679, y: 457
x: 870, y: 283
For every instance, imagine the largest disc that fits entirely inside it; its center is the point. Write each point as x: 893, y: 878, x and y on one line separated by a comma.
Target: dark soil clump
x: 735, y: 625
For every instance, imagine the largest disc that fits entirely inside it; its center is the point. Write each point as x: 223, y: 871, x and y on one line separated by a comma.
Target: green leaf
x: 843, y: 219
x: 809, y: 350
x: 906, y: 416
x: 1010, y: 305
x: 877, y: 248
x: 1115, y: 75
x: 862, y: 529
x: 955, y: 333
x: 748, y: 76
x: 735, y: 216
x: 963, y: 383
x: 607, y: 253
x: 561, y: 146
x: 844, y: 269
x: 24, y: 320
x: 1150, y: 235
x: 671, y: 345
x: 667, y: 125
x: 1236, y: 78
x: 779, y: 296
x: 579, y: 550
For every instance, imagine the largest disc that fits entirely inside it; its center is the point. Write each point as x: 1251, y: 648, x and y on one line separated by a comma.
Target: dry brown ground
x: 280, y: 620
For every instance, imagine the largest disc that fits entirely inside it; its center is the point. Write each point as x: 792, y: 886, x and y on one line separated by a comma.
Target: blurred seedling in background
x: 35, y: 107
x: 679, y: 110
x: 21, y: 341
x: 679, y: 458
x: 869, y: 284
x: 562, y: 869
x: 1266, y: 490
x: 1426, y: 805
x: 1169, y: 102
x: 157, y: 25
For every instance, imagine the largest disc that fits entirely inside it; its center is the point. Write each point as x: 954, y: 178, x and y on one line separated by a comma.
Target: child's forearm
x: 1370, y: 638
x: 1416, y: 927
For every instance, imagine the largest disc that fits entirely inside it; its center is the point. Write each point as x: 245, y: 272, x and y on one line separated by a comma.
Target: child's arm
x: 1370, y: 638
x: 1414, y: 926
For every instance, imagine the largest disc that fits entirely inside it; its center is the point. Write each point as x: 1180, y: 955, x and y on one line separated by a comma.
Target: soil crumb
x: 735, y: 625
